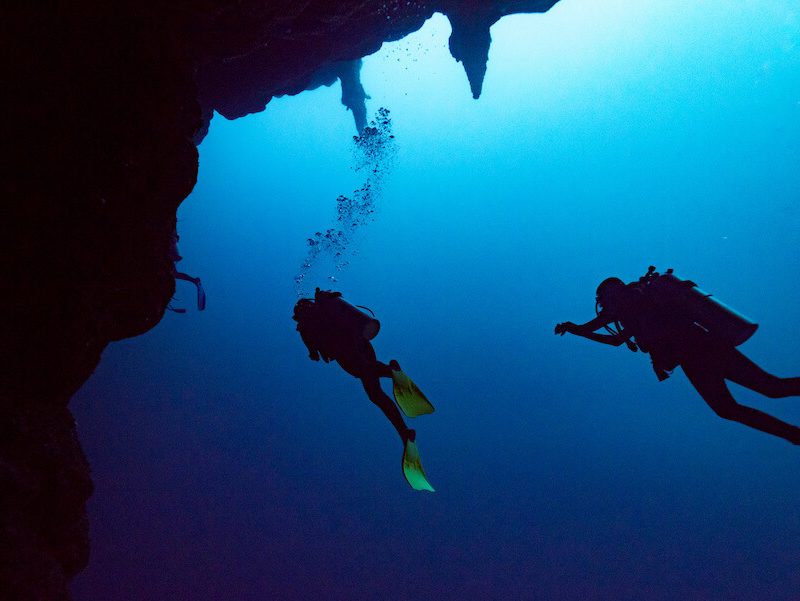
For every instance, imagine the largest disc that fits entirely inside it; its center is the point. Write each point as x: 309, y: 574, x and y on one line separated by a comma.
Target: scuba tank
x: 338, y: 310
x: 702, y: 308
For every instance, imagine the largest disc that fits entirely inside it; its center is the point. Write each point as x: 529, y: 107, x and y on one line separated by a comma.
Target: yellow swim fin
x: 412, y: 468
x: 408, y: 397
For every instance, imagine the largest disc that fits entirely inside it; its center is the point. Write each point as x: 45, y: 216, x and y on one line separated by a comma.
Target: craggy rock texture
x: 103, y: 105
x: 470, y: 39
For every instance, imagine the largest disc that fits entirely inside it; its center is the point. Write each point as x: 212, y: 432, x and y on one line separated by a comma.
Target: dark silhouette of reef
x: 104, y: 103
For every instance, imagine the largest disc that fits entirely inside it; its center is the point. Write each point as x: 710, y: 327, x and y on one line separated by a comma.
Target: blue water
x: 609, y: 136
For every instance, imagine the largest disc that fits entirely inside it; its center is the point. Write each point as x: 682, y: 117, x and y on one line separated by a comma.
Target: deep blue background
x: 228, y: 466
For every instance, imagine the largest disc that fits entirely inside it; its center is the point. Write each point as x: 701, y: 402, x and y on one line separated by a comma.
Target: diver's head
x: 609, y: 292
x: 303, y: 308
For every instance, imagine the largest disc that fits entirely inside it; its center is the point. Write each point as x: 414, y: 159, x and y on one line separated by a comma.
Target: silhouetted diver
x: 175, y: 256
x: 334, y: 329
x: 678, y: 324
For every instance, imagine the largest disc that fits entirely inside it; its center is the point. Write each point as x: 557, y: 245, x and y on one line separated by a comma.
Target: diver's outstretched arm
x: 602, y: 319
x: 376, y: 394
x: 714, y: 391
x: 612, y: 339
x: 587, y: 330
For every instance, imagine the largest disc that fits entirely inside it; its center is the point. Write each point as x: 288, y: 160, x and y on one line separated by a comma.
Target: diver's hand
x: 409, y: 435
x: 563, y: 328
x: 394, y: 365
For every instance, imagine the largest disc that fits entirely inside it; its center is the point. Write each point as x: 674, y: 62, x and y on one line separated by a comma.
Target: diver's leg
x: 740, y: 369
x: 711, y: 386
x: 376, y: 394
x: 179, y: 275
x: 384, y: 370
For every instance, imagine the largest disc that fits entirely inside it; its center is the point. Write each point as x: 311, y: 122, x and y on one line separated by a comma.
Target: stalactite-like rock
x: 353, y: 95
x: 470, y: 41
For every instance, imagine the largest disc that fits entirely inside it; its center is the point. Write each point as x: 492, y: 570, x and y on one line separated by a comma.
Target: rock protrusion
x: 471, y: 38
x: 470, y: 41
x: 353, y: 95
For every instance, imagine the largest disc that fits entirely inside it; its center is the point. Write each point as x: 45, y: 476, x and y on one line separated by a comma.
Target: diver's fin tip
x: 413, y: 470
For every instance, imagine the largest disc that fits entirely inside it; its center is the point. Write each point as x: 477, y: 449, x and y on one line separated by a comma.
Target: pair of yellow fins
x: 413, y: 403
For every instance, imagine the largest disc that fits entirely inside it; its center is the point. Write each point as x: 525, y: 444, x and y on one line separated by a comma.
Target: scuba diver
x: 679, y: 324
x: 332, y: 328
x: 175, y: 256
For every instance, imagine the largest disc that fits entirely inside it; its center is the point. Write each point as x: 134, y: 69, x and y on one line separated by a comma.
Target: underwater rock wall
x: 105, y: 105
x: 98, y: 156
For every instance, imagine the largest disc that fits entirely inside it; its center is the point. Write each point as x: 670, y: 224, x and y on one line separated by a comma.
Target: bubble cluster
x: 373, y: 154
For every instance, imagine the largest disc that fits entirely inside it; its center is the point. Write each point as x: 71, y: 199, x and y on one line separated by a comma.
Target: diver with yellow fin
x: 680, y: 325
x: 333, y: 329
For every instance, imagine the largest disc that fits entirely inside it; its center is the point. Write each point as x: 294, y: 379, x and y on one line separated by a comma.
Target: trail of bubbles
x: 373, y: 152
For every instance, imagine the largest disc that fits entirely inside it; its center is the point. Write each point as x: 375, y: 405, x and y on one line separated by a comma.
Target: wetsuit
x: 707, y: 361
x: 335, y: 339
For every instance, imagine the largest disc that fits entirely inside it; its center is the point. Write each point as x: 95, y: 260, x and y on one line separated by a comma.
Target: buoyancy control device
x: 336, y: 309
x: 685, y: 298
